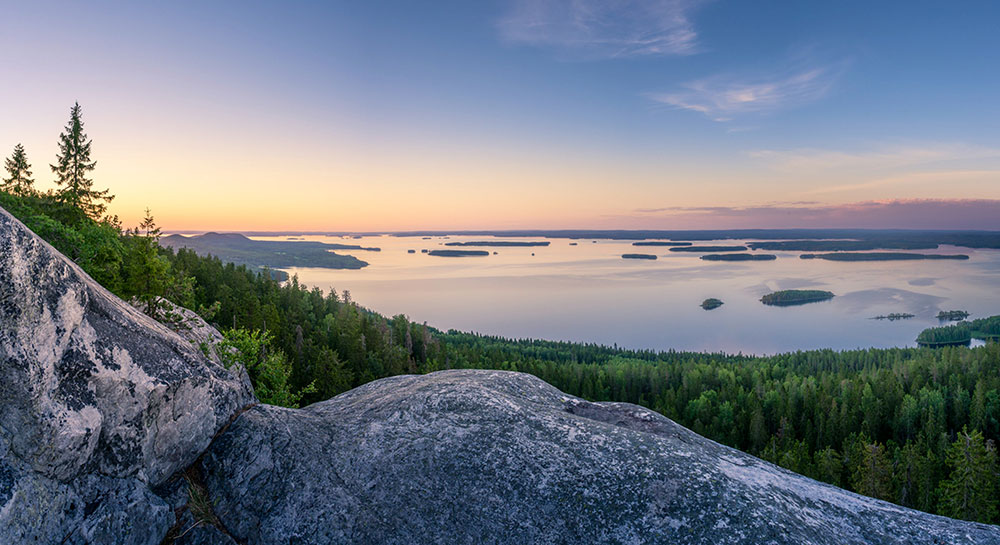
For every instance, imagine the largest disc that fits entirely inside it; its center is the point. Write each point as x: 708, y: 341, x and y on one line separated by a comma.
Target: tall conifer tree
x: 969, y: 493
x: 73, y: 164
x: 19, y: 182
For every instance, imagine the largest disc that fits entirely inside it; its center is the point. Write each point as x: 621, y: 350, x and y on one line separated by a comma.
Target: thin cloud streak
x: 888, y: 157
x: 979, y: 214
x: 598, y: 29
x: 723, y: 97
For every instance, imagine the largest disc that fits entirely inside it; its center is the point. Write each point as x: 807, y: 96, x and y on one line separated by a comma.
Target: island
x: 950, y: 335
x: 843, y: 245
x: 638, y: 256
x: 962, y: 333
x: 659, y: 243
x: 785, y: 298
x: 458, y: 253
x: 500, y: 243
x: 711, y: 303
x: 952, y: 315
x: 572, y: 243
x: 709, y: 249
x: 893, y: 317
x: 268, y: 254
x: 881, y: 256
x: 411, y: 251
x: 739, y: 257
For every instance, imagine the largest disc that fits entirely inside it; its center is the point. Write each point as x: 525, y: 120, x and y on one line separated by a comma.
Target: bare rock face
x: 501, y: 457
x: 98, y: 403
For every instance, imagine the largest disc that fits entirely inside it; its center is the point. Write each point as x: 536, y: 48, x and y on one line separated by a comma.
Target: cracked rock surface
x: 470, y: 456
x: 98, y: 403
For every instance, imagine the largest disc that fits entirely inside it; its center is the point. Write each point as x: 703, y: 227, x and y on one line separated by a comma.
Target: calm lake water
x: 588, y: 293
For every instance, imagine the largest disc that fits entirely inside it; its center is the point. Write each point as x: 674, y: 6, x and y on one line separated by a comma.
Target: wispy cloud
x: 725, y: 96
x: 601, y: 29
x: 809, y: 159
x: 887, y: 214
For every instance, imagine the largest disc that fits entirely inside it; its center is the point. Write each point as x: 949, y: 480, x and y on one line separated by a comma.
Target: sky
x: 377, y: 115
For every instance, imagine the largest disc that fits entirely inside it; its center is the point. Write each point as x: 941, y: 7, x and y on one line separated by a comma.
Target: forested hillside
x: 914, y: 426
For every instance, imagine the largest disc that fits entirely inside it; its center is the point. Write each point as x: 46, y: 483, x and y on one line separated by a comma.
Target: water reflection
x: 588, y: 293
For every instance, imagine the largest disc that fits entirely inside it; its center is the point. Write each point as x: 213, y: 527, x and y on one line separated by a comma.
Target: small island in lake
x: 795, y: 297
x: 962, y: 333
x: 711, y: 303
x: 659, y: 243
x: 893, y: 317
x: 411, y: 251
x: 638, y: 256
x: 881, y: 256
x: 739, y: 257
x: 949, y: 335
x: 499, y: 243
x: 709, y: 249
x: 952, y: 315
x: 843, y: 245
x: 458, y: 253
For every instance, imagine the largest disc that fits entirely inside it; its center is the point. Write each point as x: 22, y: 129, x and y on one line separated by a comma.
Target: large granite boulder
x: 98, y: 403
x: 469, y: 457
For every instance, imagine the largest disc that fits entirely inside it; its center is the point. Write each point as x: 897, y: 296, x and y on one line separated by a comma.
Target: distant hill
x: 272, y: 254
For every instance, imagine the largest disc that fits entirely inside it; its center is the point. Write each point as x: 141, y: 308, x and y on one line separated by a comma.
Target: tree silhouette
x: 19, y: 182
x: 73, y: 164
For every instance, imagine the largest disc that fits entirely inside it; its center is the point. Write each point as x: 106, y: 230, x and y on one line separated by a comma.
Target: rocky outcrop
x: 501, y: 457
x: 98, y: 404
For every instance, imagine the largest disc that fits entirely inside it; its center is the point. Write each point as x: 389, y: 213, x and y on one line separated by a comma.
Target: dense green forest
x: 917, y: 427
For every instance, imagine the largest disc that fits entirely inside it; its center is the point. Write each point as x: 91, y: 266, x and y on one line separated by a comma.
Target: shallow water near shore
x: 588, y: 293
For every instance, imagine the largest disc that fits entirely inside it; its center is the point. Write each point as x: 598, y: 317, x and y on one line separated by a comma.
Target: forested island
x: 843, y: 245
x: 985, y: 329
x: 499, y: 243
x: 237, y: 248
x: 660, y: 243
x: 458, y: 253
x: 739, y: 257
x: 894, y: 316
x: 708, y: 249
x: 795, y: 297
x: 952, y: 315
x: 881, y: 256
x: 711, y: 303
x: 914, y: 426
x: 638, y: 256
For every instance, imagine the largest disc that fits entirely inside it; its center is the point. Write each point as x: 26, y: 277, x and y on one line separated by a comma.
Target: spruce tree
x: 969, y: 493
x: 873, y: 474
x: 73, y: 164
x: 19, y: 182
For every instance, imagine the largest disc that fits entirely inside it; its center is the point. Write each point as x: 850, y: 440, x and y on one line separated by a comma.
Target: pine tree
x: 72, y: 166
x: 873, y: 474
x: 969, y: 491
x: 19, y: 182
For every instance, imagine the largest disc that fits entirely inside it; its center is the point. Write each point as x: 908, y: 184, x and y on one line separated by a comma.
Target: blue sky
x: 344, y: 115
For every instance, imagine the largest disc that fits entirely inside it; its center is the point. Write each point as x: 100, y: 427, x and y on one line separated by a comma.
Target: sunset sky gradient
x: 370, y: 116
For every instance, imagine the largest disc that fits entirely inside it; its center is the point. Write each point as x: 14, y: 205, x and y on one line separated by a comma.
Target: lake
x: 588, y: 293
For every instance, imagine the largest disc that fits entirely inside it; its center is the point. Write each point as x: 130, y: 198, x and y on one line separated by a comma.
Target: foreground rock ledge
x: 98, y: 404
x: 502, y: 457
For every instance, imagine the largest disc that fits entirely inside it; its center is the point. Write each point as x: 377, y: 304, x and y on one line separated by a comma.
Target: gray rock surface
x: 470, y: 457
x: 97, y: 403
